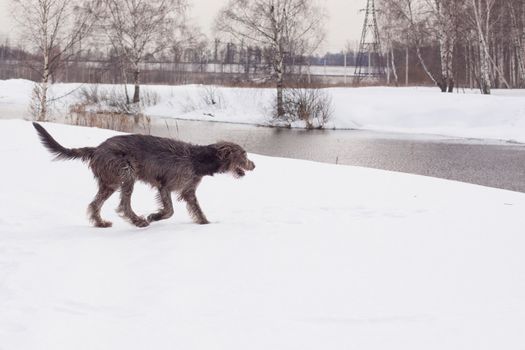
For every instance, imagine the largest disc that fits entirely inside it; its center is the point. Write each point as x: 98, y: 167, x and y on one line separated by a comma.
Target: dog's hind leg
x: 193, y: 207
x: 124, y: 207
x: 104, y: 192
x: 164, y: 198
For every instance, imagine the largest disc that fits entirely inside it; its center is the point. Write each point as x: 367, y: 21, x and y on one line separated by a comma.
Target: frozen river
x: 488, y: 163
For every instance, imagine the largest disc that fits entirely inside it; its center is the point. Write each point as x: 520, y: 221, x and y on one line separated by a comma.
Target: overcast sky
x: 344, y: 24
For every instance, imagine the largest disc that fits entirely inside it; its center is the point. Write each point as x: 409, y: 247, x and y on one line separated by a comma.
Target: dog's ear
x: 224, y: 151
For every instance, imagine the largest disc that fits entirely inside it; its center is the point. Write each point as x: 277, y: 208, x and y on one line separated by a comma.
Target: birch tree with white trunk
x: 53, y: 30
x: 516, y: 10
x: 426, y: 22
x: 140, y: 28
x: 287, y: 28
x: 482, y: 15
x: 412, y: 15
x: 445, y: 16
x: 393, y: 32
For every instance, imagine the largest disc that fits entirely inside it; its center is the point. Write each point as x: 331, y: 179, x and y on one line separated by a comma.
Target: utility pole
x: 370, y: 61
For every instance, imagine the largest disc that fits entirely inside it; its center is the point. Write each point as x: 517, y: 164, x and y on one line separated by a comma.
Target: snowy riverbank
x: 406, y: 110
x: 299, y: 255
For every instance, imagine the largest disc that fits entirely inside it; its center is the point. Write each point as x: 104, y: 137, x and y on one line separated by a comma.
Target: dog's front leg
x: 194, y: 208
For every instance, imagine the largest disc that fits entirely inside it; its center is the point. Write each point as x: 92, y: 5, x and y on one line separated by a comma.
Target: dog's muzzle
x: 250, y: 165
x: 240, y: 171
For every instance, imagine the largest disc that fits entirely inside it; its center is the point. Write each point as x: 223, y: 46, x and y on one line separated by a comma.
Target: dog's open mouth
x: 239, y: 172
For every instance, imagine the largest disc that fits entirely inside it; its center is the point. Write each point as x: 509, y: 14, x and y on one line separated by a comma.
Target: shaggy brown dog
x: 168, y: 165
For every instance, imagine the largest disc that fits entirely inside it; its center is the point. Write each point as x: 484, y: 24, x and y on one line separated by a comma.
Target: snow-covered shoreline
x: 299, y: 255
x: 400, y: 110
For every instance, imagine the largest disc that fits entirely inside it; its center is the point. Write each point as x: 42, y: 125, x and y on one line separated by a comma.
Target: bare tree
x: 187, y: 40
x: 53, y: 29
x: 393, y: 30
x: 286, y: 28
x: 412, y: 17
x: 516, y: 11
x: 444, y: 21
x: 140, y: 28
x: 482, y: 15
x: 425, y: 22
x: 490, y: 32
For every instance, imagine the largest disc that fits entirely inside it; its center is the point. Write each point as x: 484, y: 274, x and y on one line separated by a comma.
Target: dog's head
x: 233, y: 159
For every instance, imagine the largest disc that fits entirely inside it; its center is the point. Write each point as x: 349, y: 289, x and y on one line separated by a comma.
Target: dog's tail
x: 60, y: 152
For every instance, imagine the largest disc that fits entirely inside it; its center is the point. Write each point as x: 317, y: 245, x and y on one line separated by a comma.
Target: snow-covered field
x: 405, y: 110
x: 299, y: 255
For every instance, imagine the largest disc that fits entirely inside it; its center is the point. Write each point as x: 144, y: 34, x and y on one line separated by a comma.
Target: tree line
x: 479, y: 43
x: 136, y: 30
x: 449, y: 43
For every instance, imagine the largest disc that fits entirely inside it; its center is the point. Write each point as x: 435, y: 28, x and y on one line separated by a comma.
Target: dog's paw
x: 203, y: 222
x: 140, y: 222
x: 154, y: 217
x: 103, y: 224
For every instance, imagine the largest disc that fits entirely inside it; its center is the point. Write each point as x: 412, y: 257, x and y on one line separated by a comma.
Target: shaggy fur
x: 168, y: 165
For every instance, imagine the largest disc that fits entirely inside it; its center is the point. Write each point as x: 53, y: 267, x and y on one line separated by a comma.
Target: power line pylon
x: 370, y: 63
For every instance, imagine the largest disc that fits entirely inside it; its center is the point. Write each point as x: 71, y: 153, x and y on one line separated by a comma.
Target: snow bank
x: 299, y: 255
x: 406, y: 110
x: 427, y: 111
x: 15, y: 98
